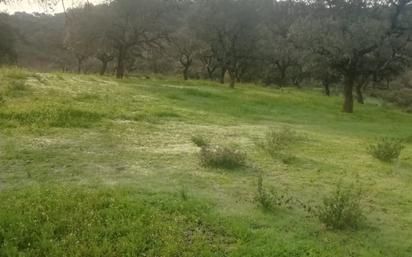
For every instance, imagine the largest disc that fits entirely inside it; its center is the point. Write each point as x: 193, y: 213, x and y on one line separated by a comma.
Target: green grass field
x: 93, y: 166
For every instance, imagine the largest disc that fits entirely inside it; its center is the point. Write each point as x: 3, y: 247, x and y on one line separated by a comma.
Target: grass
x: 112, y: 163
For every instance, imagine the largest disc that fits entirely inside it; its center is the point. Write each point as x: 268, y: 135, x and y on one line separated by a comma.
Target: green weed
x: 276, y: 142
x: 386, y: 149
x: 226, y: 157
x: 342, y: 209
x: 200, y: 141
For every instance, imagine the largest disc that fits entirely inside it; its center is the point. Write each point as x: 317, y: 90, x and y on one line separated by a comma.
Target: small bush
x: 270, y: 199
x: 200, y: 140
x: 222, y: 157
x: 401, y: 97
x: 16, y: 73
x: 264, y: 198
x: 15, y: 88
x: 386, y: 149
x: 277, y: 141
x: 342, y: 210
x: 17, y: 85
x: 409, y: 109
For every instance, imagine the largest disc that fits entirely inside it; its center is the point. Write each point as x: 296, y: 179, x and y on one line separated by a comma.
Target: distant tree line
x: 353, y: 43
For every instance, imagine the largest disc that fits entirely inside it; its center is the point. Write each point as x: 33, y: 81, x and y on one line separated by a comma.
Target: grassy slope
x: 68, y: 143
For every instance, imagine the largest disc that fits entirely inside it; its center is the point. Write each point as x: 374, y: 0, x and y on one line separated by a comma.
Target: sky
x: 32, y: 6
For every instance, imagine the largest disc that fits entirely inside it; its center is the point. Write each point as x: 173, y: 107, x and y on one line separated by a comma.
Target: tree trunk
x: 232, y: 75
x: 348, y: 95
x: 282, y: 70
x: 120, y: 64
x: 79, y: 65
x: 210, y: 73
x: 104, y: 68
x: 232, y: 82
x: 359, y: 94
x: 186, y: 73
x: 222, y: 75
x: 327, y: 88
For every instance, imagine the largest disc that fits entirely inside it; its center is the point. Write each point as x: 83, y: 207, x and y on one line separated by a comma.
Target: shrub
x: 409, y: 109
x: 200, y: 140
x: 277, y: 141
x: 16, y: 73
x: 386, y: 149
x: 222, y: 157
x: 15, y: 88
x: 342, y: 210
x: 17, y: 85
x: 401, y: 97
x: 269, y: 200
x: 264, y: 198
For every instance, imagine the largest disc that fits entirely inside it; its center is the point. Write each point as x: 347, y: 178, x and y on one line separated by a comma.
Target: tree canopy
x: 350, y: 43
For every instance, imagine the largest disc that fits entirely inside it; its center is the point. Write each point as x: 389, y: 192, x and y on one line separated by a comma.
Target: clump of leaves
x: 342, y: 210
x: 200, y: 141
x: 386, y: 149
x: 276, y: 142
x: 227, y: 157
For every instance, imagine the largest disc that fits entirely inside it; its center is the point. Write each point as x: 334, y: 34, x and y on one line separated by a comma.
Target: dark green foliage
x: 342, y: 210
x: 276, y: 142
x: 200, y: 141
x: 8, y: 53
x: 386, y: 149
x: 226, y: 157
x: 401, y: 97
x: 88, y: 222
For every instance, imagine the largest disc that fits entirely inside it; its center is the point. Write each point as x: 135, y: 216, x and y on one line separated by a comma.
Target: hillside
x: 93, y: 166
